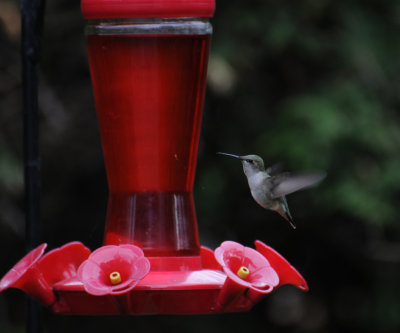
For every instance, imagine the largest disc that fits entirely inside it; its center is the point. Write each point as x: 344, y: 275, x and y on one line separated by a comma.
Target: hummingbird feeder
x: 148, y: 64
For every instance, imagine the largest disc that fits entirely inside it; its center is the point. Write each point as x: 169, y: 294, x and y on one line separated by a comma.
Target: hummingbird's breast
x: 256, y: 180
x: 259, y: 190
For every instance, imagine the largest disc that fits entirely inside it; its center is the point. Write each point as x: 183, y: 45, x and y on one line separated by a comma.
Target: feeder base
x: 160, y: 292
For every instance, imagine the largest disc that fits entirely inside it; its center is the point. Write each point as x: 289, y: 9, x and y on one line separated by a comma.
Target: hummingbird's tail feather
x: 284, y: 211
x: 291, y: 222
x: 288, y: 218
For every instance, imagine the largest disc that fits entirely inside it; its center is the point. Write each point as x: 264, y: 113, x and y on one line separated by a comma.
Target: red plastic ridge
x: 103, y: 9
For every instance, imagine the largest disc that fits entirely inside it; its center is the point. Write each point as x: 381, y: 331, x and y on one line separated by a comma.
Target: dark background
x: 312, y: 83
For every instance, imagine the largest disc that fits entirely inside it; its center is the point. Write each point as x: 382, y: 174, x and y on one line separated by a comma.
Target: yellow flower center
x: 115, y: 278
x: 243, y: 272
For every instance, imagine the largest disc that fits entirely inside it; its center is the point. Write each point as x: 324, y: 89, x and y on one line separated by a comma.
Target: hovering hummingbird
x: 269, y: 190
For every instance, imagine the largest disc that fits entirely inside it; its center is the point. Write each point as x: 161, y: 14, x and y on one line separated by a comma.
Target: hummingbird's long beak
x: 236, y: 156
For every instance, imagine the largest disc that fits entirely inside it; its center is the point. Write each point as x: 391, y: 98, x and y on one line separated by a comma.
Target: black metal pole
x: 32, y: 15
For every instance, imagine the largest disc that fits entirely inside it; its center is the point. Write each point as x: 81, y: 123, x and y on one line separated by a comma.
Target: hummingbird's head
x: 252, y: 164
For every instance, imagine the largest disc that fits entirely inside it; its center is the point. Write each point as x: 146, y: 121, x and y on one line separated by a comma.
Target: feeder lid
x: 105, y: 9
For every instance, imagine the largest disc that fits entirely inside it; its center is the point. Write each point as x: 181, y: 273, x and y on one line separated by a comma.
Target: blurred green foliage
x: 313, y: 84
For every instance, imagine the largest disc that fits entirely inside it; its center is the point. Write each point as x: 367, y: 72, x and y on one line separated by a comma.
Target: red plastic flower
x: 113, y: 269
x: 63, y: 263
x: 208, y: 259
x: 287, y: 273
x: 26, y: 275
x: 246, y: 267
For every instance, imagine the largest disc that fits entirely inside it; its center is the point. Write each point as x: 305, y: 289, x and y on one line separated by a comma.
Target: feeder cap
x: 107, y: 9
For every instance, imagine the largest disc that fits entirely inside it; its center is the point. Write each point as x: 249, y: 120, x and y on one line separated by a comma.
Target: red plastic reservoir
x: 149, y: 81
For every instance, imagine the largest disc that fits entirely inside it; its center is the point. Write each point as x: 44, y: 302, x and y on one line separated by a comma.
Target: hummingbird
x: 269, y: 190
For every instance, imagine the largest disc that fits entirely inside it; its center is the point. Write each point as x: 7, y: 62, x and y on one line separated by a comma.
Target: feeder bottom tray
x: 120, y: 280
x: 166, y: 292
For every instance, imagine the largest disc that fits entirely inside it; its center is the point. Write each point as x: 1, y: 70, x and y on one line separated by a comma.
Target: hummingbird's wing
x: 284, y: 184
x: 270, y: 182
x: 275, y: 169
